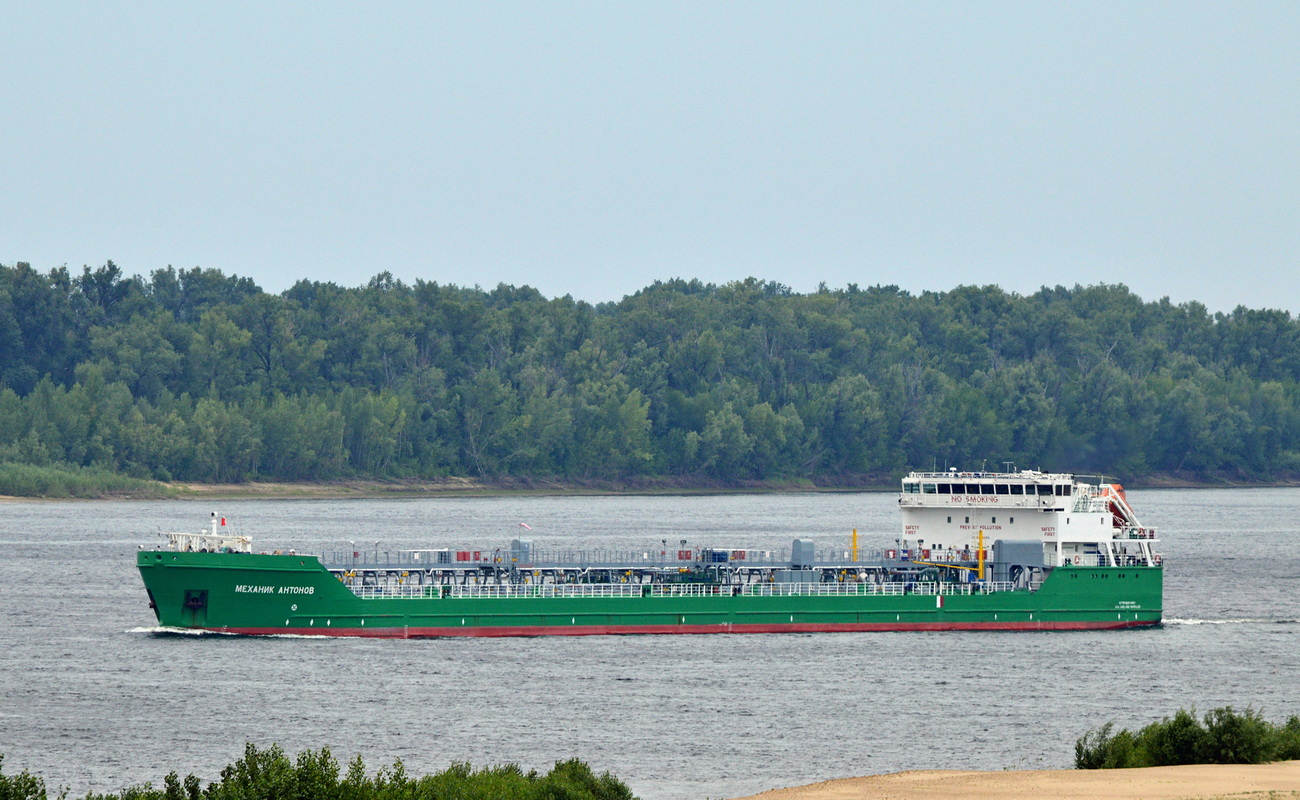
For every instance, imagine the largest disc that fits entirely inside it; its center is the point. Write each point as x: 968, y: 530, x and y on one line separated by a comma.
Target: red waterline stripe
x: 398, y: 632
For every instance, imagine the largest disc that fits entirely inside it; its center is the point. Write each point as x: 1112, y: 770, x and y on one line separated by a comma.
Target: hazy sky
x: 590, y: 149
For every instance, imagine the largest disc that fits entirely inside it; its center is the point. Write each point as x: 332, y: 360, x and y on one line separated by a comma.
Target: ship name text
x: 246, y: 589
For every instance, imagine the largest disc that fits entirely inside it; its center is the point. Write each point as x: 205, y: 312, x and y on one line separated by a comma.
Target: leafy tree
x: 227, y: 446
x: 218, y: 355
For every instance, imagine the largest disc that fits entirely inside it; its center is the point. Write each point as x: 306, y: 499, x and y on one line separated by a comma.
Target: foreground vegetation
x: 1224, y: 737
x: 196, y: 376
x: 315, y: 775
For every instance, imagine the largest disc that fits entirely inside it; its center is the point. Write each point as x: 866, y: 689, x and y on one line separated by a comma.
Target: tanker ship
x: 1019, y: 550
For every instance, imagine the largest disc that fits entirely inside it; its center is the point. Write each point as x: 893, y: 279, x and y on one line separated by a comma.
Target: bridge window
x: 1001, y: 488
x: 1017, y: 489
x: 986, y: 488
x: 911, y: 488
x: 927, y: 488
x: 1044, y: 490
x: 1062, y: 490
x: 945, y: 488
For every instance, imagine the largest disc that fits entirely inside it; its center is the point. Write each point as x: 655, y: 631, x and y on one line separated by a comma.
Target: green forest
x: 193, y: 375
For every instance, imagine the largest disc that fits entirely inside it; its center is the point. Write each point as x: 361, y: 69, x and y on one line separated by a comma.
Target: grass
x: 64, y: 481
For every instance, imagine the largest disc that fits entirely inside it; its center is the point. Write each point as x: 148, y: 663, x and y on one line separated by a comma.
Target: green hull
x: 250, y: 593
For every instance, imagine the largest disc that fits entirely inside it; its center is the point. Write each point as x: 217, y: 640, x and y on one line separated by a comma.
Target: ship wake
x: 1242, y: 621
x: 161, y: 630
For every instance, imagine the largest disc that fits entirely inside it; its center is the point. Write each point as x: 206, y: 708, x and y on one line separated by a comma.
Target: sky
x: 592, y: 148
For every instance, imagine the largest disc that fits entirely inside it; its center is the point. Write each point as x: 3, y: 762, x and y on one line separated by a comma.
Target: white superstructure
x: 1079, y: 520
x: 221, y: 538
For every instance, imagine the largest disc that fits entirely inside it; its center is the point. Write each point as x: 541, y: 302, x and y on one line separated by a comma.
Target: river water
x: 95, y: 698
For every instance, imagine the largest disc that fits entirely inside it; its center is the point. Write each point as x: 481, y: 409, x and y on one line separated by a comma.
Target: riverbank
x: 20, y: 482
x: 673, y: 485
x: 77, y: 484
x: 489, y: 487
x: 1192, y: 782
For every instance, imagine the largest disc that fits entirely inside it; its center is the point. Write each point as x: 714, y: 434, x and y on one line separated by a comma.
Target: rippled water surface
x: 95, y: 698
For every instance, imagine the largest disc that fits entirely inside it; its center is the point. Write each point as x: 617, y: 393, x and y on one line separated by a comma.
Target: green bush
x: 22, y: 786
x: 1180, y: 740
x: 1232, y: 738
x: 1102, y: 749
x: 271, y: 775
x: 1224, y: 736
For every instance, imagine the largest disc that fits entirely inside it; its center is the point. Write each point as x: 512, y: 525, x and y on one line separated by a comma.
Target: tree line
x: 195, y: 375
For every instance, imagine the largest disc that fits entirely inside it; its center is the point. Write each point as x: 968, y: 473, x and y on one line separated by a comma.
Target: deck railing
x: 582, y: 590
x: 1101, y: 560
x: 602, y: 560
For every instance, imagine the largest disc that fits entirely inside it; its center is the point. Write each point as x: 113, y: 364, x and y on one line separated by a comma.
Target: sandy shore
x: 1251, y: 782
